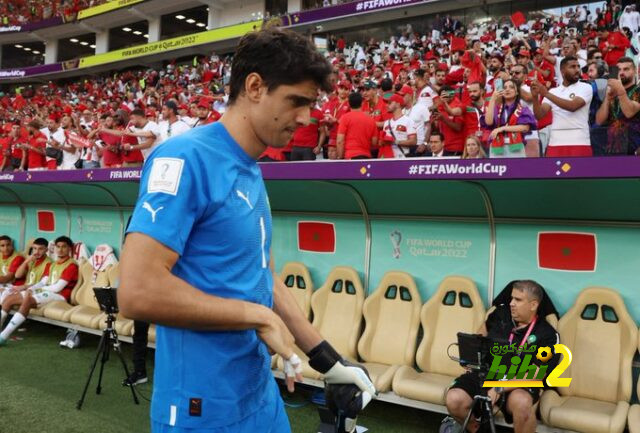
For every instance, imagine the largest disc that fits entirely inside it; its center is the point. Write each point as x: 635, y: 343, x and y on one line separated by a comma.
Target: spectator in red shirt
x: 333, y: 110
x: 5, y: 147
x: 110, y: 151
x: 33, y: 157
x: 307, y: 140
x: 613, y: 46
x: 357, y: 131
x: 450, y: 123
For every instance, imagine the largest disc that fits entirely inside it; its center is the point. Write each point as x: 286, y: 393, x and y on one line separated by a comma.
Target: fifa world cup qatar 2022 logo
x: 396, y: 241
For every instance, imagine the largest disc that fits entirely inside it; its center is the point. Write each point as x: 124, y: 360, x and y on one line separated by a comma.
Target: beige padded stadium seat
x: 455, y: 307
x: 297, y: 278
x: 27, y: 245
x: 392, y: 321
x: 634, y: 411
x: 59, y: 310
x: 87, y: 313
x: 603, y: 339
x: 59, y: 306
x: 337, y: 315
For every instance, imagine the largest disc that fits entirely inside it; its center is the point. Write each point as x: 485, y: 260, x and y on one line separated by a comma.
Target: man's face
x: 39, y: 251
x: 108, y: 122
x: 522, y: 308
x: 66, y: 121
x: 592, y: 71
x: 522, y: 60
x: 567, y: 49
x: 571, y: 71
x: 203, y: 112
x: 517, y: 73
x: 62, y: 250
x: 6, y: 248
x: 495, y: 65
x: 137, y: 121
x: 377, y: 73
x: 626, y: 73
x: 475, y: 92
x: 440, y: 77
x: 370, y: 94
x: 392, y: 106
x: 420, y: 82
x: 278, y: 113
x: 436, y: 144
x: 166, y: 112
x: 343, y: 92
x: 15, y: 130
x: 51, y: 124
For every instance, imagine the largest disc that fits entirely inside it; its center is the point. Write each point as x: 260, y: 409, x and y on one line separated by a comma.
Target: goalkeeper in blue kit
x: 197, y: 260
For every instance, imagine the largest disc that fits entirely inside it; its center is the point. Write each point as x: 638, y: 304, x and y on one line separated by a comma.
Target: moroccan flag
x: 46, y: 221
x: 563, y: 251
x: 518, y: 19
x: 316, y: 237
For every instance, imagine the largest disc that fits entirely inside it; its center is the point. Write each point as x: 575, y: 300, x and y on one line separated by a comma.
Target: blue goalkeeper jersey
x: 202, y: 196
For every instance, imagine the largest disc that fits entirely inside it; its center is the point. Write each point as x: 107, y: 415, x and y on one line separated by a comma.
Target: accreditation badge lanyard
x: 526, y: 336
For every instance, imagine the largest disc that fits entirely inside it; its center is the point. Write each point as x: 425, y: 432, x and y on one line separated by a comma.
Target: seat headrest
x: 103, y: 257
x: 80, y: 251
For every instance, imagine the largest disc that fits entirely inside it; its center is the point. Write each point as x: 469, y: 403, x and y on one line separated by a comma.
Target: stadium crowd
x: 20, y: 12
x: 514, y: 87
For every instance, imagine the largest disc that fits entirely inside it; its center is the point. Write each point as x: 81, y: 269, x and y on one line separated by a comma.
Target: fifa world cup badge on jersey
x: 165, y: 175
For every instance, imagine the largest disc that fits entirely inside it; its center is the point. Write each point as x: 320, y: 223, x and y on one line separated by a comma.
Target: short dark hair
x: 171, y: 105
x: 386, y: 85
x: 280, y: 57
x: 5, y: 238
x: 66, y: 239
x: 438, y: 133
x: 41, y: 241
x: 355, y: 100
x: 566, y: 60
x: 626, y: 59
x: 419, y: 73
x: 533, y: 290
x: 137, y: 112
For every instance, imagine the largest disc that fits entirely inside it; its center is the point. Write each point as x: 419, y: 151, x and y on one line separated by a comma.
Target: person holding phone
x: 509, y: 120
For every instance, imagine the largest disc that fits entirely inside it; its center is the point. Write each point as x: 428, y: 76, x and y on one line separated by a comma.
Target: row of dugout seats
x: 101, y: 269
x: 598, y: 330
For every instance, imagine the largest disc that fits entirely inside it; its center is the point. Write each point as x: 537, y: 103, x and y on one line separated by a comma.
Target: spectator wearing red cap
x: 357, y: 131
x: 399, y: 132
x: 205, y: 113
x: 449, y: 121
x: 33, y: 158
x: 332, y: 111
x: 307, y: 141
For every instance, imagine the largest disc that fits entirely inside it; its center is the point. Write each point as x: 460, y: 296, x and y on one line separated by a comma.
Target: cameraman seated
x: 518, y: 324
x: 58, y: 280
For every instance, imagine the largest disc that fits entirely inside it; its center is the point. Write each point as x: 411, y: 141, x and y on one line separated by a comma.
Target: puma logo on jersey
x: 245, y: 198
x: 151, y: 210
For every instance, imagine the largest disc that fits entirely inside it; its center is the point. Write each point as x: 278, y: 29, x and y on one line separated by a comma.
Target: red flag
x: 316, y: 237
x: 46, y: 221
x: 518, y: 19
x: 78, y: 140
x: 458, y: 44
x: 565, y: 251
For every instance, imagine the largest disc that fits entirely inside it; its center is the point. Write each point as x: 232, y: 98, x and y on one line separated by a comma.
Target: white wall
x: 240, y: 11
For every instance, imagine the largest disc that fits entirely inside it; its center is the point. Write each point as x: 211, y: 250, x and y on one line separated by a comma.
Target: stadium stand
x: 19, y: 12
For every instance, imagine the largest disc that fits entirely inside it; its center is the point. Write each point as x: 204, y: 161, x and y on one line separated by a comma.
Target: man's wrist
x: 323, y: 357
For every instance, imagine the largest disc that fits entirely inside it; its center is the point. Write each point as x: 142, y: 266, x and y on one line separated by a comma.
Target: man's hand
x: 616, y: 86
x: 292, y: 371
x: 537, y: 89
x: 497, y: 94
x: 493, y: 395
x: 336, y: 370
x: 276, y: 336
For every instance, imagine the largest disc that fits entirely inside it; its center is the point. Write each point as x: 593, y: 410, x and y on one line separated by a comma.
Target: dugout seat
x: 297, y: 278
x: 152, y: 333
x: 603, y: 339
x: 58, y: 310
x: 27, y: 245
x: 337, y: 315
x: 634, y: 411
x: 392, y: 321
x: 57, y: 305
x: 455, y: 307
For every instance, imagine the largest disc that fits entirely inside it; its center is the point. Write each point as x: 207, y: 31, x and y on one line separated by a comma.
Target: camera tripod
x: 109, y: 337
x: 486, y: 408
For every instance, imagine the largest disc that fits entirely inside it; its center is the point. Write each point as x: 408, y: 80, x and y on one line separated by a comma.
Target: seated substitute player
x: 10, y: 261
x: 519, y: 324
x: 207, y: 281
x: 56, y: 284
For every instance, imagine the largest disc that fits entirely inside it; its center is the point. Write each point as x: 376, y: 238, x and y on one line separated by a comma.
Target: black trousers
x: 302, y: 154
x: 140, y: 340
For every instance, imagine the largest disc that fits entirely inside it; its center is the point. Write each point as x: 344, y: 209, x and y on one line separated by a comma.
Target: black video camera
x: 475, y: 351
x: 107, y: 299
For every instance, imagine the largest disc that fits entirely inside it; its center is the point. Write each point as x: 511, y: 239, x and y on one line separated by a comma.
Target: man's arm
x: 566, y: 104
x: 340, y: 145
x: 150, y: 292
x: 456, y: 126
x: 602, y: 115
